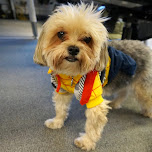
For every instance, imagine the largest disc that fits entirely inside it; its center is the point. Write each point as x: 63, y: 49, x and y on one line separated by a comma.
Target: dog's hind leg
x: 143, y: 93
x: 120, y: 97
x: 96, y: 120
x: 62, y: 103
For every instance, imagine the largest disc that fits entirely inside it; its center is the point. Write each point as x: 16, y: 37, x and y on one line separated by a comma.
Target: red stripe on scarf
x: 88, y: 85
x: 59, y: 83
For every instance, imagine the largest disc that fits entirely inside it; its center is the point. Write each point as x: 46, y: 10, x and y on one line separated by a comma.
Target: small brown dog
x: 73, y: 44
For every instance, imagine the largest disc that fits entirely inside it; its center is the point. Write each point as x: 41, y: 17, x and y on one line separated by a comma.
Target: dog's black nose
x: 73, y: 50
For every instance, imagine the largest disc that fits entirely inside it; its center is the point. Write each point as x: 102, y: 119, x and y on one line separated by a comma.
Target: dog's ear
x: 104, y: 57
x: 38, y: 55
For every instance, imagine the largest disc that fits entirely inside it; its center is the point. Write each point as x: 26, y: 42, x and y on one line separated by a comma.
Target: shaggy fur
x: 76, y: 23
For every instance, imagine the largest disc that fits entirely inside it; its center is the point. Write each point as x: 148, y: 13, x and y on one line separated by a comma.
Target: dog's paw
x: 85, y: 143
x: 54, y: 123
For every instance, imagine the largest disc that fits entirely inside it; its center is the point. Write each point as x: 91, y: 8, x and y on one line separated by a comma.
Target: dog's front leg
x: 96, y: 120
x: 62, y: 103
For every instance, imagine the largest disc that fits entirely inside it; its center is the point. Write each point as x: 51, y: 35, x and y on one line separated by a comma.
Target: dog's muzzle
x: 73, y: 51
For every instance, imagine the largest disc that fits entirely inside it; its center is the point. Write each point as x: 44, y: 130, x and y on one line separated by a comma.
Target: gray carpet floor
x: 25, y: 103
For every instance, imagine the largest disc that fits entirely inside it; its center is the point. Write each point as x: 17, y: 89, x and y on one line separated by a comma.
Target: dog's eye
x: 87, y: 40
x: 61, y: 35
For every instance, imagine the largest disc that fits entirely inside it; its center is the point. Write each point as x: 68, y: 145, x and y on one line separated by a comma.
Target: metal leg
x: 13, y: 8
x: 32, y: 16
x: 34, y: 29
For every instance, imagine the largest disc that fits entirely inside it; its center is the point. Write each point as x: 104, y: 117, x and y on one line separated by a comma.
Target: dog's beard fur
x: 77, y: 24
x: 56, y: 59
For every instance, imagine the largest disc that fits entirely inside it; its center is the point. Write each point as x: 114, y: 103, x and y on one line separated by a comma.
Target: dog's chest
x: 68, y: 83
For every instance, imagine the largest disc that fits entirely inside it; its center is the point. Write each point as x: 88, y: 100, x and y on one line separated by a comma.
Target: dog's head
x: 73, y: 41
